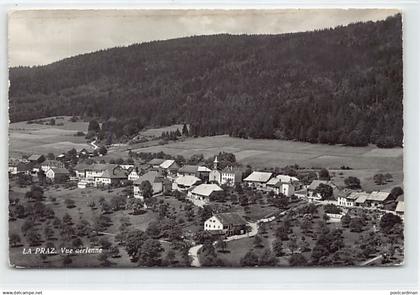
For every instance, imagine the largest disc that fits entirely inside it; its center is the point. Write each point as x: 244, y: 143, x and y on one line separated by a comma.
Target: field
x: 259, y: 153
x: 37, y: 138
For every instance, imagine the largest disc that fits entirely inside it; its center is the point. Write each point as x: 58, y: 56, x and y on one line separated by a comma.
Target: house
x: 226, y: 223
x: 204, y: 192
x: 36, y: 158
x: 127, y: 166
x: 184, y: 183
x: 258, y: 179
x: 156, y: 162
x: 155, y: 178
x: 13, y: 166
x: 188, y: 170
x: 97, y: 170
x: 24, y: 167
x: 282, y: 184
x: 311, y: 195
x: 134, y: 174
x: 80, y: 170
x: 57, y: 174
x: 170, y: 166
x: 377, y: 199
x: 399, y: 210
x: 48, y: 164
x: 112, y: 175
x: 351, y: 199
x: 231, y: 176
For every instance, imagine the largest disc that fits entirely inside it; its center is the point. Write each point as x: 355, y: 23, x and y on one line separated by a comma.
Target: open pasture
x: 263, y: 153
x: 37, y: 138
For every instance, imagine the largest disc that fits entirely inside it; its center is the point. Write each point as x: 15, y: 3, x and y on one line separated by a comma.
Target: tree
x: 185, y: 130
x: 258, y: 242
x: 352, y: 182
x: 52, y: 122
x: 388, y: 220
x: 379, y: 179
x: 297, y: 260
x: 345, y: 220
x: 170, y: 258
x: 396, y: 192
x: 150, y: 253
x: 222, y: 245
x: 146, y: 189
x: 94, y: 126
x: 356, y: 225
x: 250, y: 259
x: 277, y: 246
x: 324, y: 174
x: 67, y: 219
x: 14, y: 240
x: 136, y: 205
x: 102, y: 150
x: 34, y: 238
x: 267, y: 258
x: 325, y: 191
x: 134, y: 241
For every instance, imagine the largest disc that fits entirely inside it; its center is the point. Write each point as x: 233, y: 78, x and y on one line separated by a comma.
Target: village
x: 188, y: 208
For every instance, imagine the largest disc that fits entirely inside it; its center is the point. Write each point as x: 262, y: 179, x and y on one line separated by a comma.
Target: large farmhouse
x: 226, y: 223
x: 155, y: 178
x: 258, y: 179
x: 57, y: 174
x: 204, y: 192
x: 283, y: 184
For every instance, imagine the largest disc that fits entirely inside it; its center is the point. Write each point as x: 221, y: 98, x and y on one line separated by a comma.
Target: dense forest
x: 338, y: 85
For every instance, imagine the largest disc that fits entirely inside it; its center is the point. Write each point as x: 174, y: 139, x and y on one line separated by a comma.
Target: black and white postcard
x: 205, y: 138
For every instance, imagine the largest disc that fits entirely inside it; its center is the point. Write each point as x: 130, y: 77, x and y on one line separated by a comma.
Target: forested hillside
x: 341, y: 85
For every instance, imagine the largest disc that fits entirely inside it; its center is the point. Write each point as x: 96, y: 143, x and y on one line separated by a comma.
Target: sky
x: 39, y: 37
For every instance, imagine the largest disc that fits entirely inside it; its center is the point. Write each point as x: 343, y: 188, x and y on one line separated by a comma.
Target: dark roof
x: 115, y: 173
x: 152, y: 176
x: 35, y: 157
x: 156, y: 161
x: 60, y: 170
x: 188, y: 169
x: 230, y: 218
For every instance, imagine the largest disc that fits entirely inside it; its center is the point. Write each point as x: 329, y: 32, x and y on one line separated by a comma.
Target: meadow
x: 263, y: 153
x: 27, y: 138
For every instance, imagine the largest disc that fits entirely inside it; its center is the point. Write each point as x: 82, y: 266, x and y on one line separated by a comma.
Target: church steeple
x: 215, y: 162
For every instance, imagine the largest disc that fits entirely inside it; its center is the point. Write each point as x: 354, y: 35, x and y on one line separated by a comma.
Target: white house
x: 282, y: 184
x: 13, y: 166
x: 113, y: 175
x: 226, y: 223
x: 258, y: 179
x: 203, y: 192
x: 48, y: 164
x: 351, y: 199
x: 231, y: 176
x: 134, y: 174
x: 57, y: 174
x: 184, y: 183
x: 377, y: 199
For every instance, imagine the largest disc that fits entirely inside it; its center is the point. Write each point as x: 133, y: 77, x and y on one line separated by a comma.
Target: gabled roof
x: 400, y: 207
x: 152, y: 176
x: 115, y: 173
x: 279, y: 179
x: 203, y: 169
x: 60, y: 170
x: 400, y: 198
x: 167, y: 164
x: 315, y: 183
x: 35, y: 157
x: 378, y: 196
x: 257, y: 176
x: 187, y: 180
x: 156, y: 161
x: 206, y: 189
x: 188, y: 169
x: 230, y: 218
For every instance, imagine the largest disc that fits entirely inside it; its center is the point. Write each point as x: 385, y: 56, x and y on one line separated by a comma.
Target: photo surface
x: 205, y: 138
